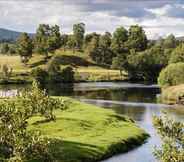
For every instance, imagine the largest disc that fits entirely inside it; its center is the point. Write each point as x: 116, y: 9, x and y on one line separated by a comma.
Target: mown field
x: 86, y: 133
x: 84, y: 68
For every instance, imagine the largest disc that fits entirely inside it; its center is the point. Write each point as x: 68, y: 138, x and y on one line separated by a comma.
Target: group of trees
x: 17, y: 142
x: 125, y: 49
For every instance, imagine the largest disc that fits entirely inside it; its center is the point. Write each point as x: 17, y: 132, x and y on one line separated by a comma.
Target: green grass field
x: 86, y: 133
x: 85, y: 69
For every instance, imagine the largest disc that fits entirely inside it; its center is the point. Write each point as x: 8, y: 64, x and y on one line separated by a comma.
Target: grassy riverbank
x: 86, y: 133
x: 173, y: 94
x: 85, y: 69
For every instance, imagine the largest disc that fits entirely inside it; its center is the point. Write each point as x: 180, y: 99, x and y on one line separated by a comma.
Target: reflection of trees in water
x: 59, y: 89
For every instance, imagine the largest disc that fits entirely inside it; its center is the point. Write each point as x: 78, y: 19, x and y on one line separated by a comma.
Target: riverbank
x: 173, y: 95
x: 84, y: 68
x: 86, y: 133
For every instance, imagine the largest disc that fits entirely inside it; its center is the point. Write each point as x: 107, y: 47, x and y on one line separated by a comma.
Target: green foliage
x: 67, y: 74
x: 56, y: 74
x: 40, y: 75
x: 24, y: 47
x: 170, y: 41
x: 37, y: 102
x: 6, y: 72
x: 17, y: 143
x: 120, y: 36
x: 172, y: 134
x: 78, y: 33
x: 177, y: 54
x: 137, y: 39
x: 172, y: 75
x: 5, y: 48
x: 47, y: 39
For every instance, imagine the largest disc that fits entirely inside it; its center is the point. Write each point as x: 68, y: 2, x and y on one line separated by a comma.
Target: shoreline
x: 90, y: 133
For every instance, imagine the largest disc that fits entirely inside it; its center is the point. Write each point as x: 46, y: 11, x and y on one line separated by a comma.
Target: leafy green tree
x: 105, y: 40
x: 170, y: 42
x: 172, y: 75
x: 78, y: 32
x: 67, y: 74
x: 5, y: 48
x: 71, y: 43
x: 24, y: 47
x: 40, y: 75
x: 47, y: 39
x: 172, y: 135
x: 177, y: 55
x: 92, y: 48
x: 64, y: 40
x: 88, y: 38
x: 6, y: 72
x: 120, y: 36
x: 137, y: 39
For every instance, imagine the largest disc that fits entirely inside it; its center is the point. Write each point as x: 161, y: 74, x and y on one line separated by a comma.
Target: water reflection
x: 138, y: 101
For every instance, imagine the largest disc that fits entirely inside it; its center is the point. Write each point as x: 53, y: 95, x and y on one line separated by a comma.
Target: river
x: 138, y: 101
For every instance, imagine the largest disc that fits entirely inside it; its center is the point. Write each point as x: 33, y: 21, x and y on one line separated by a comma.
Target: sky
x: 158, y: 17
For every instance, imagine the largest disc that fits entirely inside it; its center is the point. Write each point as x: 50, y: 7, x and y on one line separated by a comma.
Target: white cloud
x: 158, y: 20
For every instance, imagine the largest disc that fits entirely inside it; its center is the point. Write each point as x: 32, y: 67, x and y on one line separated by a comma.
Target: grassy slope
x: 89, y: 133
x: 170, y: 95
x: 85, y: 69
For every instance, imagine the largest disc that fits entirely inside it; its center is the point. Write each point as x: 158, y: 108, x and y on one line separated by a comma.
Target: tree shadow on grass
x: 74, y: 61
x: 71, y: 151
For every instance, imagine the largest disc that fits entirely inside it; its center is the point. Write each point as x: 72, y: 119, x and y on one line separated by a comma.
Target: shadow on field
x: 70, y: 151
x: 74, y: 61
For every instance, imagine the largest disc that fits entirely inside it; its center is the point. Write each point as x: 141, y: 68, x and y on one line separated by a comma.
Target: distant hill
x: 9, y: 35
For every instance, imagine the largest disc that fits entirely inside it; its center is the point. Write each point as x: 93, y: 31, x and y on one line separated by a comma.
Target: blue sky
x: 158, y: 17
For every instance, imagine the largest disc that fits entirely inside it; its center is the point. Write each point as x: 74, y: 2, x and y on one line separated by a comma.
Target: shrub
x: 177, y: 55
x: 39, y: 75
x: 67, y: 74
x: 6, y: 72
x: 173, y: 74
x: 172, y: 133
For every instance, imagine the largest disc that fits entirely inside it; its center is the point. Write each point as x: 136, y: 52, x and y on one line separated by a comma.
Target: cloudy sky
x: 158, y: 17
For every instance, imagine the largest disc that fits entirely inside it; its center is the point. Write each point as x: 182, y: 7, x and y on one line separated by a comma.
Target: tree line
x: 125, y: 49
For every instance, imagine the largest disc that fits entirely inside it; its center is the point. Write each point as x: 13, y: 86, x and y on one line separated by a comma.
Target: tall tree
x: 120, y: 36
x: 137, y: 39
x: 24, y: 47
x: 170, y: 41
x: 47, y: 39
x: 78, y: 32
x: 105, y: 40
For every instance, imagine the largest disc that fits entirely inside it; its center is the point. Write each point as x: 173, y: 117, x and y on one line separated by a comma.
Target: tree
x: 177, y: 55
x: 172, y: 135
x: 5, y: 48
x: 172, y: 75
x: 64, y: 40
x: 170, y: 41
x: 24, y: 47
x: 47, y: 39
x: 17, y: 142
x: 88, y: 38
x: 105, y: 40
x: 120, y: 36
x: 137, y: 39
x: 78, y: 32
x: 71, y: 43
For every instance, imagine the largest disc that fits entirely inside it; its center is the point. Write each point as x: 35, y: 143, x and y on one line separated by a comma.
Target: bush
x: 172, y: 133
x: 173, y: 74
x: 177, y: 55
x: 67, y: 74
x: 39, y: 75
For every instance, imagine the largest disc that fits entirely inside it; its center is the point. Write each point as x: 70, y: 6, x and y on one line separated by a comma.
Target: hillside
x: 9, y: 35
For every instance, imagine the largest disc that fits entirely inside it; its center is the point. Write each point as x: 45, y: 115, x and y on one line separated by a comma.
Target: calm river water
x: 138, y: 101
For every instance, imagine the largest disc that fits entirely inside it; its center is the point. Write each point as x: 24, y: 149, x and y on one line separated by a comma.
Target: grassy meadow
x: 85, y: 69
x: 86, y: 133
